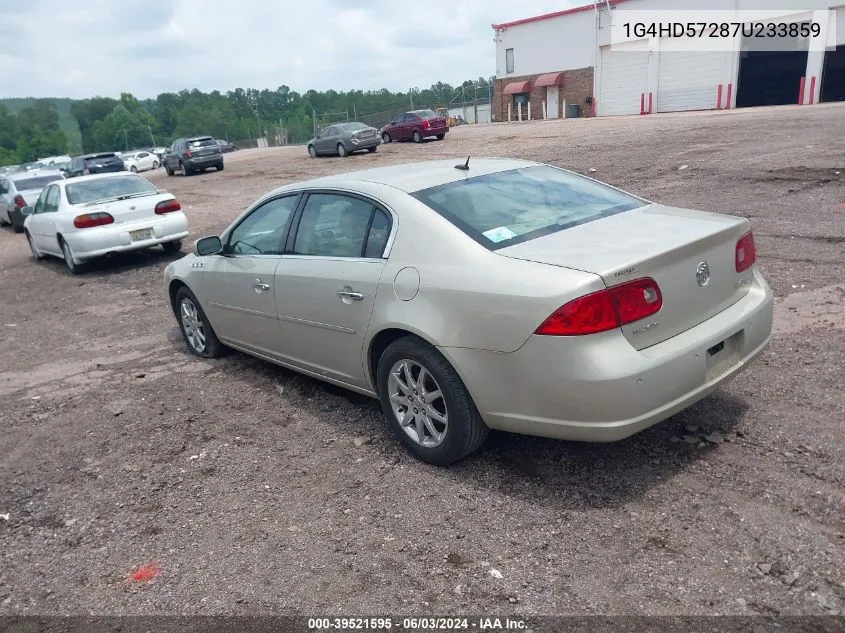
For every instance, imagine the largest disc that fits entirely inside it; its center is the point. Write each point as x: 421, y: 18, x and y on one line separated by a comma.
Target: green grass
x: 67, y: 122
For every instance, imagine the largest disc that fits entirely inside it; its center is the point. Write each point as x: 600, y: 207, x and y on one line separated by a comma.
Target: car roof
x: 33, y: 173
x: 92, y: 155
x: 90, y: 177
x: 199, y: 138
x: 412, y: 177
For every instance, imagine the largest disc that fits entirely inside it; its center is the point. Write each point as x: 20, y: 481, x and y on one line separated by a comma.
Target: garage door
x: 689, y: 80
x: 623, y: 78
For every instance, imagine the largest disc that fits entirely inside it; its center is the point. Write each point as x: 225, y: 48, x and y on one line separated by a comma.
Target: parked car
x: 415, y: 126
x: 140, y: 161
x: 22, y: 188
x: 101, y: 163
x: 226, y: 146
x: 159, y: 152
x: 94, y: 216
x: 197, y: 153
x: 343, y: 139
x: 496, y: 293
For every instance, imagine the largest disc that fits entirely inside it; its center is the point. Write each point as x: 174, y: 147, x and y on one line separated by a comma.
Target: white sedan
x: 140, y: 161
x: 92, y: 216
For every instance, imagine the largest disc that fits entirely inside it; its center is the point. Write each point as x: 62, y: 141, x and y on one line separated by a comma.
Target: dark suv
x: 102, y: 163
x: 196, y: 153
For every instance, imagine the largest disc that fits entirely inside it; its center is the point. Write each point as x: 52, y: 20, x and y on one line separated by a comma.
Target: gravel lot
x: 259, y: 491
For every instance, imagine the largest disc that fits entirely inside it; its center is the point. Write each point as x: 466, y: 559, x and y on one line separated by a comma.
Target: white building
x: 577, y: 57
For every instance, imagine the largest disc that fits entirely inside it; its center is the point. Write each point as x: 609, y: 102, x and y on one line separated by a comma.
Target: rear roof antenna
x: 464, y: 167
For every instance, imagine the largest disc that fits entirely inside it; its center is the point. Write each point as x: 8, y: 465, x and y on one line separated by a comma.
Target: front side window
x: 261, y: 232
x: 41, y: 202
x: 52, y: 202
x: 334, y: 225
x: 518, y: 205
x: 509, y: 60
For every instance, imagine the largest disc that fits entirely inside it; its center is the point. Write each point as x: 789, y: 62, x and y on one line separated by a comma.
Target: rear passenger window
x: 379, y: 232
x: 335, y: 225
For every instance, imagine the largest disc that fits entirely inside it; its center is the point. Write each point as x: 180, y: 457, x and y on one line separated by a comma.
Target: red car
x: 415, y: 126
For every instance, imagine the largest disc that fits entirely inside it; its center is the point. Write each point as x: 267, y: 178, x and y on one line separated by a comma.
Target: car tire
x: 36, y: 254
x: 417, y: 137
x: 184, y: 170
x: 440, y: 137
x: 312, y: 151
x: 372, y: 150
x: 168, y: 170
x: 385, y: 137
x: 74, y: 265
x: 172, y: 247
x: 460, y: 429
x: 155, y: 164
x: 196, y: 330
x: 133, y: 169
x: 220, y: 167
x: 342, y: 151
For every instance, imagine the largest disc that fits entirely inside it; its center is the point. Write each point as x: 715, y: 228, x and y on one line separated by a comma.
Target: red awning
x: 517, y: 87
x: 551, y: 79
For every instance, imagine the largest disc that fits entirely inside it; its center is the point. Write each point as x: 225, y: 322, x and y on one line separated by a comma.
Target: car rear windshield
x: 103, y: 188
x: 353, y: 126
x: 38, y: 182
x: 102, y: 157
x: 509, y: 207
x: 201, y: 142
x: 427, y: 114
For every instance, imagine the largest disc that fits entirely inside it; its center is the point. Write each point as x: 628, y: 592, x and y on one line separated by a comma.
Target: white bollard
x: 529, y: 111
x: 519, y: 111
x: 545, y: 111
x: 509, y: 113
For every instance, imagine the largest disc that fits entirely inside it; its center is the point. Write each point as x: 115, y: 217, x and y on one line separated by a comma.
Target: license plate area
x: 724, y: 355
x: 140, y: 235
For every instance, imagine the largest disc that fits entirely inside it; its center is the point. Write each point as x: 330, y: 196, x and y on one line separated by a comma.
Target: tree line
x: 108, y: 124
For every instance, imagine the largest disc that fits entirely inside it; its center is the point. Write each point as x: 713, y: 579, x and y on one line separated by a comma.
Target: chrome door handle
x: 350, y: 294
x: 259, y: 286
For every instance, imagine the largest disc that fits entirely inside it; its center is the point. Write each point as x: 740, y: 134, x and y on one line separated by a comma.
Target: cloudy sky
x: 79, y: 48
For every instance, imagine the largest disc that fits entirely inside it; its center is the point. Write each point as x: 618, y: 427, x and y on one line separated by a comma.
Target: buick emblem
x: 702, y: 274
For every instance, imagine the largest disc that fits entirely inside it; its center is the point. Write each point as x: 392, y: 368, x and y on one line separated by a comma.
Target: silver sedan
x: 491, y: 294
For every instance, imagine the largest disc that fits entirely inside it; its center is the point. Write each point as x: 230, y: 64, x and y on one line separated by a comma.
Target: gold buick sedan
x: 489, y: 294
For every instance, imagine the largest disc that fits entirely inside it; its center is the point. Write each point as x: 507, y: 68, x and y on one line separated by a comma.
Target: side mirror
x: 27, y: 210
x: 208, y: 245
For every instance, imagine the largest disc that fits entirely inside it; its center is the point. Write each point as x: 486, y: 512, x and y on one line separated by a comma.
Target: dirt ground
x: 259, y: 491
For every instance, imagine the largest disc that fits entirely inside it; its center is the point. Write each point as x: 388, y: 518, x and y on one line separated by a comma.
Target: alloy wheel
x: 417, y: 403
x: 192, y: 325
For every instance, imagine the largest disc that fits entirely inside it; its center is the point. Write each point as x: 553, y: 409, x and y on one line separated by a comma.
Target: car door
x: 326, y: 283
x: 4, y: 200
x: 42, y: 226
x: 237, y: 286
x: 325, y: 142
x: 144, y: 161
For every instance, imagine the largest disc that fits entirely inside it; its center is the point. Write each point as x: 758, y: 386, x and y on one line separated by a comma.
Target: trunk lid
x: 136, y: 209
x: 30, y: 196
x: 669, y: 245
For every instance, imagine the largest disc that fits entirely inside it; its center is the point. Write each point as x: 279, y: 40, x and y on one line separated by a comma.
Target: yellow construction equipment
x: 444, y: 112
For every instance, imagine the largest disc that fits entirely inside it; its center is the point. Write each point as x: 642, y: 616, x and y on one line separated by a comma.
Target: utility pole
x: 411, y: 95
x: 126, y: 138
x: 152, y: 138
x: 354, y: 111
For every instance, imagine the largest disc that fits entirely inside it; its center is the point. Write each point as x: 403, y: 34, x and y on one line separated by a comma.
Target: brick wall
x: 577, y: 84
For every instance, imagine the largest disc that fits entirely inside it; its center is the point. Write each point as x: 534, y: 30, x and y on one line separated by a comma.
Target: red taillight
x: 20, y: 203
x: 88, y: 220
x: 168, y: 206
x: 426, y: 124
x: 186, y: 153
x: 605, y: 310
x: 746, y: 252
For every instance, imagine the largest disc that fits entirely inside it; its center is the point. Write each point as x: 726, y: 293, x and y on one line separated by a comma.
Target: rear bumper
x: 435, y: 131
x: 599, y: 388
x: 201, y: 162
x: 364, y: 143
x: 103, y: 240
